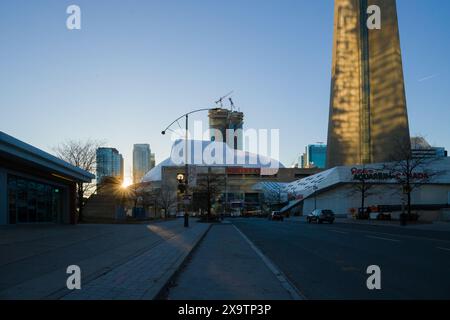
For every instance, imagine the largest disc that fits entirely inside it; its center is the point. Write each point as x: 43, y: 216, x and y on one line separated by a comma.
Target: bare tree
x: 211, y: 185
x: 149, y: 196
x: 410, y: 171
x: 81, y: 154
x: 362, y: 184
x: 166, y: 199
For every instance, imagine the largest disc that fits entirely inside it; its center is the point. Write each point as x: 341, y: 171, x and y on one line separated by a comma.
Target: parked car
x: 384, y: 216
x: 321, y: 215
x: 276, y: 216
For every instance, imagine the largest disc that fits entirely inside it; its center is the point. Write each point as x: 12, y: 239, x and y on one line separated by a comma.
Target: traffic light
x: 181, y: 187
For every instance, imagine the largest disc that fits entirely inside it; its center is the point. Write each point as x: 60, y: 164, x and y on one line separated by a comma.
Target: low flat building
x: 35, y: 186
x: 339, y: 189
x: 420, y: 149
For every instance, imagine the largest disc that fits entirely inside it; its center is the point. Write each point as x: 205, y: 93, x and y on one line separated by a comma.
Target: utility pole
x: 186, y: 175
x: 315, y: 197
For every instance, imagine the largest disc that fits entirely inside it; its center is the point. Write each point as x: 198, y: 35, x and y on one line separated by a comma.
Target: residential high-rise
x: 109, y: 164
x: 368, y: 119
x: 142, y: 161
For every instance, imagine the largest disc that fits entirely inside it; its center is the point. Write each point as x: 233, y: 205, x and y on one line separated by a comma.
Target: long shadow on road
x: 330, y: 261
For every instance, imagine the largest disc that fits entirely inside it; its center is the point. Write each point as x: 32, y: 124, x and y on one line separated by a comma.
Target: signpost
x: 187, y: 199
x: 192, y: 174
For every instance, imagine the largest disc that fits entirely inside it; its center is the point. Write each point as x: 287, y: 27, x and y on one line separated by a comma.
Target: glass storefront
x: 33, y: 202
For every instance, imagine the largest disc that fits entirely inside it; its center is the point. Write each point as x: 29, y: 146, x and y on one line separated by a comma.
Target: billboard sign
x: 242, y: 170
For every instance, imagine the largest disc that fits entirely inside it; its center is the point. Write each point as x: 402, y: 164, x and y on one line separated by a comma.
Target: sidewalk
x: 34, y: 259
x: 143, y: 277
x: 226, y: 267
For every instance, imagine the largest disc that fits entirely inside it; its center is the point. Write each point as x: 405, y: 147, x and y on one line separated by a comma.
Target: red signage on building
x: 241, y: 170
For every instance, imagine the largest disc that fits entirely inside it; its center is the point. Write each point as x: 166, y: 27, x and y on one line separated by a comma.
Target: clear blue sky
x: 136, y: 65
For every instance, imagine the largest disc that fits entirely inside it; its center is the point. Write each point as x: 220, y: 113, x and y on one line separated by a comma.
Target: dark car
x: 276, y: 216
x: 321, y: 215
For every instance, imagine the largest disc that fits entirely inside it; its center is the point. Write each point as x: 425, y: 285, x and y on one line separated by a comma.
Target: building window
x: 33, y: 202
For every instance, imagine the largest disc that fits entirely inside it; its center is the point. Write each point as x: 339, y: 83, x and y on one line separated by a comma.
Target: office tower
x: 109, y: 164
x: 368, y: 120
x: 142, y: 159
x: 316, y: 155
x: 221, y: 120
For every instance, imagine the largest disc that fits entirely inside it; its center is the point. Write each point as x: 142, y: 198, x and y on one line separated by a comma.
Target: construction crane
x: 220, y: 101
x: 231, y: 103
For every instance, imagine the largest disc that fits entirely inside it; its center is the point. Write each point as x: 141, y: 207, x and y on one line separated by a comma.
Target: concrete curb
x: 177, y: 268
x: 293, y: 291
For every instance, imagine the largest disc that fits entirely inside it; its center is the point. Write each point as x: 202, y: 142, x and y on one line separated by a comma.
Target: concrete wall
x: 342, y: 198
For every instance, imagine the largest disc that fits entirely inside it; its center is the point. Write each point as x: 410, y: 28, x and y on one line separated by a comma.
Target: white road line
x: 400, y: 235
x: 387, y: 239
x: 342, y: 232
x: 293, y: 291
x: 446, y: 249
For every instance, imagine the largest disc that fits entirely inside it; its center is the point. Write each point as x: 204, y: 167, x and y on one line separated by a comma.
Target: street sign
x: 243, y: 171
x: 192, y: 176
x: 187, y: 199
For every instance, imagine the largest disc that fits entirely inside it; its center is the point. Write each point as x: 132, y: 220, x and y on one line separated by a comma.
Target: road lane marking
x: 446, y: 249
x: 293, y: 291
x: 387, y: 239
x: 337, y: 231
x: 399, y: 235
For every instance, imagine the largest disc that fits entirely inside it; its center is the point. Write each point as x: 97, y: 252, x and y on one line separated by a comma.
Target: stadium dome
x: 211, y: 153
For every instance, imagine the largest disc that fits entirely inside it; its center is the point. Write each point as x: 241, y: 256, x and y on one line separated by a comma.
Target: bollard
x: 186, y: 220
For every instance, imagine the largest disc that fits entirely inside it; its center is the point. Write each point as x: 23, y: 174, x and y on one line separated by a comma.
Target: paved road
x: 330, y: 261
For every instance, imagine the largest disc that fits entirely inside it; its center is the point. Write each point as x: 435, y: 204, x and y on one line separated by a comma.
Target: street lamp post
x: 186, y: 168
x: 315, y: 188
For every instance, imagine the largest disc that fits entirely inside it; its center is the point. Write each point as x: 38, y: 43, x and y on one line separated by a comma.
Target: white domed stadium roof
x: 211, y: 153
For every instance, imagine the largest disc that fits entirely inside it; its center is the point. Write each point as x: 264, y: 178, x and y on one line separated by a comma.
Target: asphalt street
x: 330, y: 261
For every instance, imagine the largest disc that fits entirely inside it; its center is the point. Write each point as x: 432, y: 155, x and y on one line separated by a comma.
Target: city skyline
x: 272, y: 153
x: 117, y: 85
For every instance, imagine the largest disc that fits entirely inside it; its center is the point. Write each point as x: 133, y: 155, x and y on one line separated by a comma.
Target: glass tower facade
x: 109, y: 164
x: 316, y: 155
x: 142, y: 161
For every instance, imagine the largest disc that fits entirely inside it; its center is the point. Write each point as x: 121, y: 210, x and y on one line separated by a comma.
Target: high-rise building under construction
x: 228, y: 125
